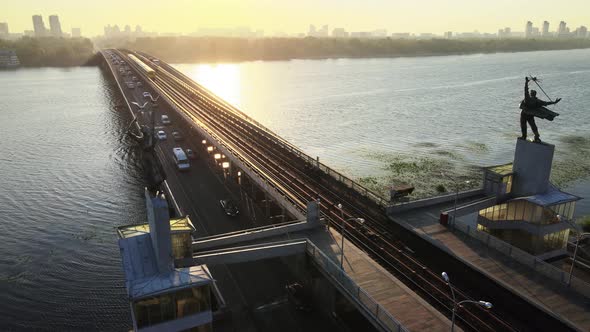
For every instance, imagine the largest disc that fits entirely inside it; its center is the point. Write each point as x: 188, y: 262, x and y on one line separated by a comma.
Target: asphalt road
x: 254, y: 291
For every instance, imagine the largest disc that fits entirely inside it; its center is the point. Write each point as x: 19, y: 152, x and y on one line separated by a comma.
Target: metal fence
x: 523, y: 257
x: 379, y: 314
x: 212, y: 97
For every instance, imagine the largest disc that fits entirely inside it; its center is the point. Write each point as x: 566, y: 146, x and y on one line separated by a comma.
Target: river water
x: 69, y: 174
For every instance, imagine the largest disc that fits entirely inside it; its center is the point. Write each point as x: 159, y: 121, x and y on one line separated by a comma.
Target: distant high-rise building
x: 505, y: 33
x: 39, y: 26
x: 3, y: 29
x: 76, y: 33
x: 401, y: 35
x: 339, y: 33
x: 528, y: 30
x: 312, y: 31
x: 127, y: 30
x: 55, y: 26
x: 582, y: 32
x: 545, y: 32
x: 448, y: 35
x: 379, y: 33
x: 563, y: 30
x: 324, y: 32
x: 138, y: 30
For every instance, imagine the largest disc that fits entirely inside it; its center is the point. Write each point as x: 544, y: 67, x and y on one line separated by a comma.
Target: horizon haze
x: 184, y: 16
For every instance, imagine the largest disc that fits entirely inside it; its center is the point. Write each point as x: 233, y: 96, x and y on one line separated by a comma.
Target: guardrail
x: 282, y: 142
x: 252, y: 168
x: 374, y: 309
x: 526, y: 259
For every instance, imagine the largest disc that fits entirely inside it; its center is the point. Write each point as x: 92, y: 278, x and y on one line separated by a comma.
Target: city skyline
x: 185, y: 17
x: 39, y: 29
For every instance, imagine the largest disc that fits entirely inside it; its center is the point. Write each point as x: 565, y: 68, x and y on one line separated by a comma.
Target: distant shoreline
x: 374, y: 57
x: 76, y: 52
x: 235, y: 50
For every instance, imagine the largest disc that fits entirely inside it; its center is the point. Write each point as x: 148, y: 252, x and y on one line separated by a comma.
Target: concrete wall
x: 421, y: 203
x: 532, y: 165
x: 159, y: 221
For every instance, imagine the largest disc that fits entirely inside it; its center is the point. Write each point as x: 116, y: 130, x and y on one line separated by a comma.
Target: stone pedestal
x: 532, y: 168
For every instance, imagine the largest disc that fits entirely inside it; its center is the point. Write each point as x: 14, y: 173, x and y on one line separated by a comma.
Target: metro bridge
x: 291, y: 180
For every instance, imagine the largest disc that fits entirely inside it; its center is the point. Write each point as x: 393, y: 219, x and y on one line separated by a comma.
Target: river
x: 70, y: 175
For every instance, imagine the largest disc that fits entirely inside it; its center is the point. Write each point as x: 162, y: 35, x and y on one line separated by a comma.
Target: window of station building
x: 172, y: 306
x: 507, y: 180
x: 181, y: 245
x: 555, y: 240
x: 482, y: 228
x: 566, y: 209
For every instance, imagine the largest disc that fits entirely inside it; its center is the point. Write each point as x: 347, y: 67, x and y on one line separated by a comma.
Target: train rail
x: 298, y: 177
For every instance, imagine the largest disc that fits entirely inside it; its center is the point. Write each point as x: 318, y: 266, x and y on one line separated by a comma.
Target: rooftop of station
x: 176, y: 225
x: 552, y: 197
x: 505, y: 169
x: 142, y: 277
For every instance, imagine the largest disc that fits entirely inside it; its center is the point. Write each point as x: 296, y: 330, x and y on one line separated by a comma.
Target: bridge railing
x: 279, y: 140
x: 375, y: 310
x: 523, y: 257
x: 296, y: 201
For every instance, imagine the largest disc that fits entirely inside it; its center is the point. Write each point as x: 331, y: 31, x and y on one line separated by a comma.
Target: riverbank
x: 51, y: 51
x: 225, y: 49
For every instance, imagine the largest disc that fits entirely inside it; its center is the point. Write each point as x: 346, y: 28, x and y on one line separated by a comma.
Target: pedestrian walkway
x: 407, y: 307
x: 536, y: 288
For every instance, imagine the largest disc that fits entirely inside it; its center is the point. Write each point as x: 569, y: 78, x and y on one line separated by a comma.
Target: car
x: 177, y: 135
x: 229, y: 207
x: 190, y: 154
x: 165, y: 119
x: 138, y: 83
x: 146, y: 94
x: 161, y: 135
x: 130, y: 85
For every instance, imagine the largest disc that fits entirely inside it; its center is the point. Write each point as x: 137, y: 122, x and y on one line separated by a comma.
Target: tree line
x: 50, y: 51
x: 226, y: 49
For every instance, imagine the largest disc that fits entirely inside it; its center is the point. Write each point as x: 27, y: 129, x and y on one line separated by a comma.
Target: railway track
x: 284, y: 166
x: 286, y: 169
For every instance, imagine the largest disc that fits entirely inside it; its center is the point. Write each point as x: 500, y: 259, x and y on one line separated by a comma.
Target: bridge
x: 287, y: 180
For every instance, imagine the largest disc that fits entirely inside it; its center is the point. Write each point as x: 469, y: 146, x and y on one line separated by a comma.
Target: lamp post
x: 456, y: 194
x: 456, y: 304
x: 360, y: 221
x: 579, y: 235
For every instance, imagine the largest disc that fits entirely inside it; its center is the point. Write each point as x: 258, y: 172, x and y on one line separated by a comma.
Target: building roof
x: 176, y: 225
x: 552, y: 197
x: 142, y: 277
x: 505, y: 169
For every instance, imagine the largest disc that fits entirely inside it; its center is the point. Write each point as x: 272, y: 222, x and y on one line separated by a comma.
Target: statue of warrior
x: 533, y: 107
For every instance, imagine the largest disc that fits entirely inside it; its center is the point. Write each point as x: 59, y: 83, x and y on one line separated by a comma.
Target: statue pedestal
x: 532, y: 167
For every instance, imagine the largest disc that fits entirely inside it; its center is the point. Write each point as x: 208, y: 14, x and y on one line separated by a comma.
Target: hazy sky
x: 296, y: 15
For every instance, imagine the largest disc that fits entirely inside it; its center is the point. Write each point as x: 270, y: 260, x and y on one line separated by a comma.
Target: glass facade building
x: 533, y: 223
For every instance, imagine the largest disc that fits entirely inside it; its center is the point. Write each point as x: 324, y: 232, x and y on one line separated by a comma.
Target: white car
x: 146, y: 94
x: 162, y: 135
x: 166, y: 119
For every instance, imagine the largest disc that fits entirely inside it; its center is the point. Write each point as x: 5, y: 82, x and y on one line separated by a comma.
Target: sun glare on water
x: 221, y: 79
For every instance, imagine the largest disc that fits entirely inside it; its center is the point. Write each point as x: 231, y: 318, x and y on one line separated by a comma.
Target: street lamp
x: 456, y: 304
x: 360, y: 221
x: 204, y: 142
x: 456, y: 193
x: 579, y: 235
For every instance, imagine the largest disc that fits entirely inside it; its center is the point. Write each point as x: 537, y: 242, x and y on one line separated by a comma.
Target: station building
x: 531, y: 213
x: 162, y: 295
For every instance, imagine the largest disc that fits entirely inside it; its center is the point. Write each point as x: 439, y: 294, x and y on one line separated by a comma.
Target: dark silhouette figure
x: 531, y: 102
